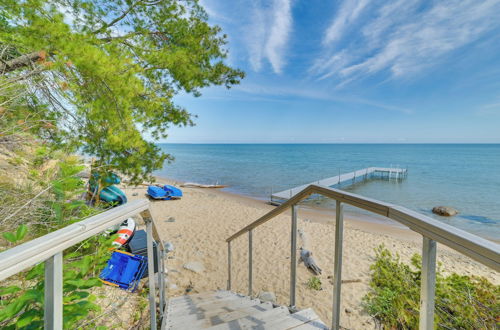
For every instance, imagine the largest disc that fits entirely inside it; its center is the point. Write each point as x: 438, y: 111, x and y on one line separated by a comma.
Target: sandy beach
x: 199, y: 223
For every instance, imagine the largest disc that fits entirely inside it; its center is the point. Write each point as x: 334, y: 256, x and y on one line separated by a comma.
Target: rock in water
x: 267, y: 297
x: 195, y: 266
x: 444, y: 211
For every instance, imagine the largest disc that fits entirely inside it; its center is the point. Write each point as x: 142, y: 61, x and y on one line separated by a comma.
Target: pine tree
x: 106, y: 72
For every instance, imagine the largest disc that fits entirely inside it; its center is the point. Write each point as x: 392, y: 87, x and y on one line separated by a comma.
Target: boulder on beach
x: 444, y: 211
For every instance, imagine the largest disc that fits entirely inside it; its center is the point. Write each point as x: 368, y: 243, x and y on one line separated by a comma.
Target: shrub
x: 314, y: 283
x: 462, y: 302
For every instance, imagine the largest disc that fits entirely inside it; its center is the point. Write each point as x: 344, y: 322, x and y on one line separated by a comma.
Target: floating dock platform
x: 346, y: 178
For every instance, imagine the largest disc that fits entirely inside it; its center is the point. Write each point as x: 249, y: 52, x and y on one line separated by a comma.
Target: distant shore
x: 199, y: 223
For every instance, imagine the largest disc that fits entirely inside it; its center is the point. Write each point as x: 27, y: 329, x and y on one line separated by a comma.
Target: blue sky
x: 359, y: 71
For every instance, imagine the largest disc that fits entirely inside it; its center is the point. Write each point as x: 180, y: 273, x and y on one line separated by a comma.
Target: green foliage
x: 314, y: 283
x: 462, y: 302
x: 18, y: 235
x: 23, y: 307
x: 110, y: 71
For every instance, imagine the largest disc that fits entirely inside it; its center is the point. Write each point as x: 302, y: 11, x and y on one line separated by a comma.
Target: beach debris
x: 173, y: 286
x: 171, y: 219
x: 190, y: 287
x: 348, y: 311
x: 198, y: 185
x: 135, y: 194
x: 266, y: 296
x: 330, y: 277
x: 169, y: 247
x: 307, y: 259
x: 194, y: 266
x: 303, y: 237
x: 444, y: 211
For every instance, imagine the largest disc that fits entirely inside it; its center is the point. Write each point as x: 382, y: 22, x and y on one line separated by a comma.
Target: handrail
x: 30, y: 253
x: 432, y: 231
x: 49, y: 249
x: 478, y: 248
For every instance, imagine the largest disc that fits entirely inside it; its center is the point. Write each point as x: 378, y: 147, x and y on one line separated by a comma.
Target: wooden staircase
x: 230, y: 311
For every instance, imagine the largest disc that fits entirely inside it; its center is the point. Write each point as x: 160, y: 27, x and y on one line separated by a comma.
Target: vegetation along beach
x: 281, y: 164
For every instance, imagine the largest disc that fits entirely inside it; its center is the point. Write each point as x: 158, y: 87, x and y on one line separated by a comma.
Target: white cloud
x: 279, y: 34
x: 347, y: 14
x: 402, y: 37
x: 268, y: 34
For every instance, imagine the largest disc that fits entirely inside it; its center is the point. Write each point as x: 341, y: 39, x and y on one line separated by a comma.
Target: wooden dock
x: 346, y: 178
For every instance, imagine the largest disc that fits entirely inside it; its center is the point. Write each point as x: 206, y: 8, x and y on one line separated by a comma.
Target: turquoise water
x: 464, y: 176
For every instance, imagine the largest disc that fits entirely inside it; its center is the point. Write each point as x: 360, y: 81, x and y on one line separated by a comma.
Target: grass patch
x: 314, y: 283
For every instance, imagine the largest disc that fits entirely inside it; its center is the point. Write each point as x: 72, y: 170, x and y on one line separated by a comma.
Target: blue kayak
x: 166, y: 192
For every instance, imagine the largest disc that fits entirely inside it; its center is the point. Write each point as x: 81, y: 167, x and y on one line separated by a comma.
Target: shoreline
x: 368, y: 222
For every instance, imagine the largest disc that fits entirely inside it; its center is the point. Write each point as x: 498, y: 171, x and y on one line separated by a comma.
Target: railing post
x: 161, y: 279
x: 53, y: 300
x: 427, y: 284
x: 151, y: 269
x: 293, y: 256
x: 250, y: 252
x: 337, y: 271
x: 229, y: 266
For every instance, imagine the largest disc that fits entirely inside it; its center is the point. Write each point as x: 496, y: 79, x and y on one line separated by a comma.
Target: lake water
x: 463, y: 176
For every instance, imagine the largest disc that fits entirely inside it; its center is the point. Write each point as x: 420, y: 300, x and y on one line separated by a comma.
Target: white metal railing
x: 480, y: 249
x: 49, y: 249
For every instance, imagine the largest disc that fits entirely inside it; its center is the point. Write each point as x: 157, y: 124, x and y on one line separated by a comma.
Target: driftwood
x: 306, y: 257
x: 197, y: 185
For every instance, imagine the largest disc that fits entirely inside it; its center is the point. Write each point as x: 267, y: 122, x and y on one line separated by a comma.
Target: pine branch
x: 20, y: 62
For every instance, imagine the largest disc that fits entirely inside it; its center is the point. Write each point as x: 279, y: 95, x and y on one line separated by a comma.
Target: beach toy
x: 125, y: 233
x: 166, y: 192
x: 124, y: 270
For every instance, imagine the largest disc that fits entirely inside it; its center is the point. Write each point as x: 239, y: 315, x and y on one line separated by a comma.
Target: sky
x: 353, y: 71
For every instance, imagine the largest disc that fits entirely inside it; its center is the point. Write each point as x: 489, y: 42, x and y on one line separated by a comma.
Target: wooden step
x: 212, y: 310
x: 225, y: 310
x: 294, y: 320
x: 313, y: 325
x: 221, y: 316
x: 200, y: 297
x: 205, y: 306
x: 255, y: 321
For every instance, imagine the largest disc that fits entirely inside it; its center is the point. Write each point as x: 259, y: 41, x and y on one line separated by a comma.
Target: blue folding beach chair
x: 124, y: 270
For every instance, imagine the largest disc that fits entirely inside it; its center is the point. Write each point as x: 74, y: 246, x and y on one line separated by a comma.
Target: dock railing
x: 49, y: 249
x: 432, y: 231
